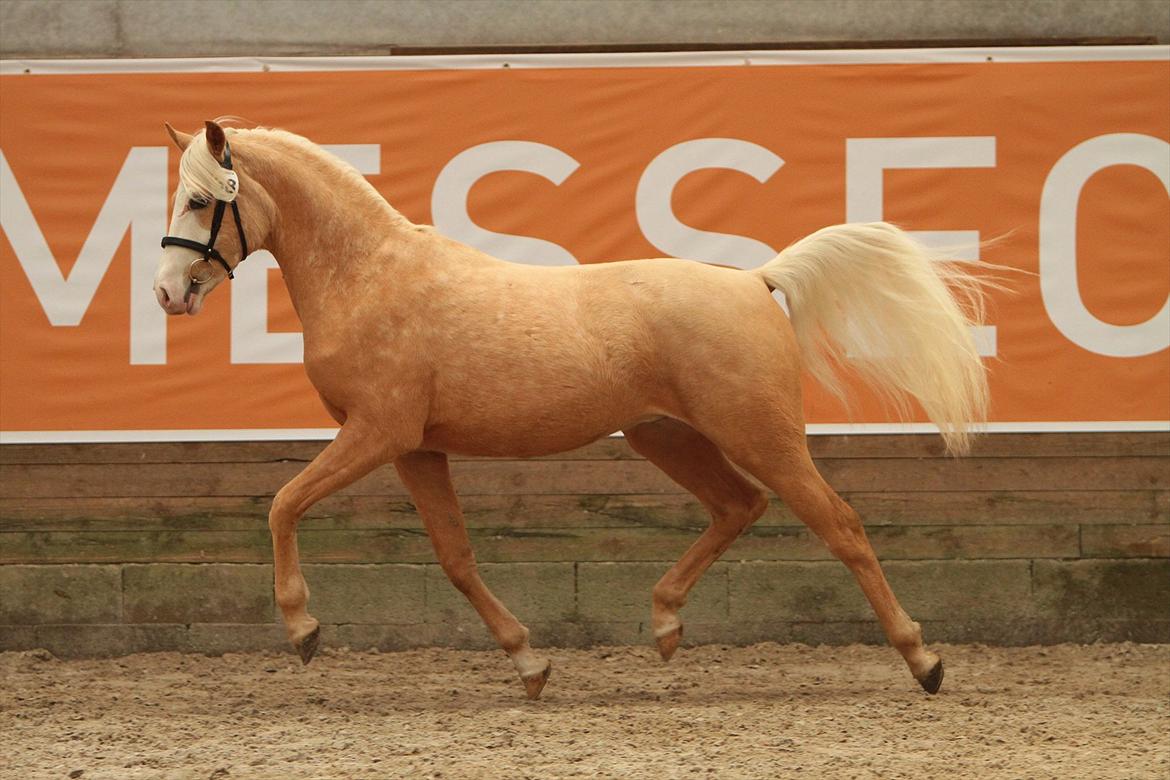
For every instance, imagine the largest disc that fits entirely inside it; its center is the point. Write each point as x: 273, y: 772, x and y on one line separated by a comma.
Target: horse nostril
x: 166, y: 298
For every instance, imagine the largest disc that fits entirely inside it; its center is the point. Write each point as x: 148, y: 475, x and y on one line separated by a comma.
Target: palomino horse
x: 420, y: 346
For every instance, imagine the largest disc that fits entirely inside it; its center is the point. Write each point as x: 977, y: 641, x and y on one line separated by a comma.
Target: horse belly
x: 520, y: 420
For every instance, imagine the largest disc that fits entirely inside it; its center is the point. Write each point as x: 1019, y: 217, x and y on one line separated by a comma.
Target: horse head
x: 197, y: 253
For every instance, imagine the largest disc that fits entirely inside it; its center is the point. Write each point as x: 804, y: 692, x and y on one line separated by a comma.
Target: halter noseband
x: 208, y: 250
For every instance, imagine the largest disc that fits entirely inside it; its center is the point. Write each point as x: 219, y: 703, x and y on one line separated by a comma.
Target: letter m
x: 138, y: 202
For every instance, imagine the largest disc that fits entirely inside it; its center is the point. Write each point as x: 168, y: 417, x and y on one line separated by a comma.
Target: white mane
x: 202, y: 175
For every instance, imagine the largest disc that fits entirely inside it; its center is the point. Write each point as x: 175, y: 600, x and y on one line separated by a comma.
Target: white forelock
x: 202, y: 174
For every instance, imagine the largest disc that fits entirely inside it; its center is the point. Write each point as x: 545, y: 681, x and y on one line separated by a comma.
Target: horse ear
x: 216, y: 140
x: 182, y: 140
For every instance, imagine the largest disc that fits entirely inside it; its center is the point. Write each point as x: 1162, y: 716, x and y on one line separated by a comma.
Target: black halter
x: 208, y: 250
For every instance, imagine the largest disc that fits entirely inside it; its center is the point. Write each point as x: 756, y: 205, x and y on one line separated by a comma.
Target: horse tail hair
x: 870, y: 298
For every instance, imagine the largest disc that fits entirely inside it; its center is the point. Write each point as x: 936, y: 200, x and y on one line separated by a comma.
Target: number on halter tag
x: 230, y: 185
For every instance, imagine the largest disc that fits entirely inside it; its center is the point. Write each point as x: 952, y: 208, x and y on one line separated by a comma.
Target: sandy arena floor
x: 765, y: 711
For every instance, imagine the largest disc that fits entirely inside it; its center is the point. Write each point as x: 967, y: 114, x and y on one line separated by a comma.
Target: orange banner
x: 1066, y: 161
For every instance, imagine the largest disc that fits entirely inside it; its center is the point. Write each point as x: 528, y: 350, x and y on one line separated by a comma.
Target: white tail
x: 869, y: 294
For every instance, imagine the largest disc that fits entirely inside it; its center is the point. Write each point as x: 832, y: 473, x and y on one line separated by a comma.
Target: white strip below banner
x: 326, y: 434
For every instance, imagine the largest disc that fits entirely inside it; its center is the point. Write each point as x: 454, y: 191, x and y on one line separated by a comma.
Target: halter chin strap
x: 208, y: 250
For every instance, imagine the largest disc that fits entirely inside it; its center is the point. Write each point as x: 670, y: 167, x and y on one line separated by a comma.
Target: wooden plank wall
x: 1034, y: 538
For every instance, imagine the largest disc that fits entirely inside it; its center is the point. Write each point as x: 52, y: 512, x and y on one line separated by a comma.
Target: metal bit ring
x: 192, y: 275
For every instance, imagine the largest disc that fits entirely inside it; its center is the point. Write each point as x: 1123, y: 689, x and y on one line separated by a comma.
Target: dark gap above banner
x: 628, y: 48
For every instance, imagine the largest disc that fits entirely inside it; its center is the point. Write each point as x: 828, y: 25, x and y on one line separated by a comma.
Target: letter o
x: 1058, y: 245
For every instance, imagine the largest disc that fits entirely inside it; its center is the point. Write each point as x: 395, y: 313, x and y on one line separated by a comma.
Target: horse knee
x: 283, y: 511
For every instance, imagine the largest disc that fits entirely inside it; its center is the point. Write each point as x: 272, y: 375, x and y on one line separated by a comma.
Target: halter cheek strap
x: 208, y: 250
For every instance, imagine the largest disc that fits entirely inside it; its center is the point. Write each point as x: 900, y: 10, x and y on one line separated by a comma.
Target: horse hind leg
x: 734, y: 503
x: 778, y: 456
x: 428, y: 478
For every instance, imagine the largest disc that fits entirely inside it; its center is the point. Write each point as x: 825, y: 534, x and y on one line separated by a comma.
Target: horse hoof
x: 307, y: 647
x: 535, y: 684
x: 668, y: 643
x: 933, y: 681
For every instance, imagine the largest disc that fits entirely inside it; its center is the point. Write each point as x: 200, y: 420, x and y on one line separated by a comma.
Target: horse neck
x: 326, y: 227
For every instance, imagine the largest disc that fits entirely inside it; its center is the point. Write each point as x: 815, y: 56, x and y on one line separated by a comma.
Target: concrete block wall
x: 1035, y: 539
x: 85, y: 610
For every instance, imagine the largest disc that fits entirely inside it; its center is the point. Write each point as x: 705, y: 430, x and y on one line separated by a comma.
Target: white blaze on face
x: 172, y: 285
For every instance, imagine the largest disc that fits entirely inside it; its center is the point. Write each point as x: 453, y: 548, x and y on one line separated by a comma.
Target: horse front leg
x: 428, y: 478
x: 354, y: 453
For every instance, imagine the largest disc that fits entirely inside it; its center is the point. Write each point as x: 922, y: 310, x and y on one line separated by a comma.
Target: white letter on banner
x: 656, y: 217
x: 138, y: 201
x: 251, y: 342
x: 1058, y: 245
x: 454, y: 183
x: 867, y: 159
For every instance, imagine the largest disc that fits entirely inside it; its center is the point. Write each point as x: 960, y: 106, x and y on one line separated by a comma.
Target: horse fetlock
x: 292, y: 595
x: 908, y: 639
x: 301, y: 627
x: 299, y: 624
x: 514, y: 641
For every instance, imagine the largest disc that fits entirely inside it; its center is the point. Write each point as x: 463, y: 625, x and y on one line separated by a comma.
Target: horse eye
x: 196, y: 203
